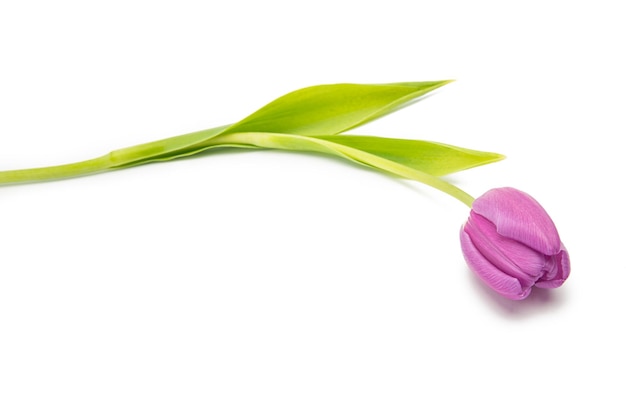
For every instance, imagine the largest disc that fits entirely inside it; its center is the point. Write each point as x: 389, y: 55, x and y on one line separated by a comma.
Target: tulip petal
x: 564, y: 263
x: 499, y: 281
x: 512, y: 257
x: 559, y: 269
x: 518, y: 216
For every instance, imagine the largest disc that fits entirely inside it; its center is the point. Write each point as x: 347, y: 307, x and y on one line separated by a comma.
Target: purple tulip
x: 511, y: 243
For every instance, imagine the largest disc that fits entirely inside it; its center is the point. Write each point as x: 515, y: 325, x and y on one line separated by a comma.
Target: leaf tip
x: 498, y: 157
x: 442, y: 83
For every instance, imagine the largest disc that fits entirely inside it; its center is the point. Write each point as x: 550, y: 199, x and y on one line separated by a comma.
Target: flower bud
x: 511, y: 243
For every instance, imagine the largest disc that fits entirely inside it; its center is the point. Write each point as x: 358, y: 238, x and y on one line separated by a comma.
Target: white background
x: 260, y: 283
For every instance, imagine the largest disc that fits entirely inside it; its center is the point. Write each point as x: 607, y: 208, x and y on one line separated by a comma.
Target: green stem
x: 57, y: 172
x: 113, y: 160
x: 306, y: 143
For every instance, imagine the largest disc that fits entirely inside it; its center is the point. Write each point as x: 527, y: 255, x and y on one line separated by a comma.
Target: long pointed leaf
x: 318, y: 110
x: 433, y: 158
x: 333, y: 108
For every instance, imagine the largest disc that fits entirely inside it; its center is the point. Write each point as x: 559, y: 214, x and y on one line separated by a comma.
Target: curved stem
x: 306, y: 143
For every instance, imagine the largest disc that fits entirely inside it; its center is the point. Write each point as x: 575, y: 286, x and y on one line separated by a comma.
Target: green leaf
x: 333, y: 108
x: 318, y: 110
x: 433, y: 158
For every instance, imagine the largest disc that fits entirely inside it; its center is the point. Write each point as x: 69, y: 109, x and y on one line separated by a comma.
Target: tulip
x: 510, y: 242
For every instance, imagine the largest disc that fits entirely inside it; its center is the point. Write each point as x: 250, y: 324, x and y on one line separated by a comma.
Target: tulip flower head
x: 511, y: 243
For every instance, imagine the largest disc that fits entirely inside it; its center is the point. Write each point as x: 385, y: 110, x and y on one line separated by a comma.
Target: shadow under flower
x: 539, y: 301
